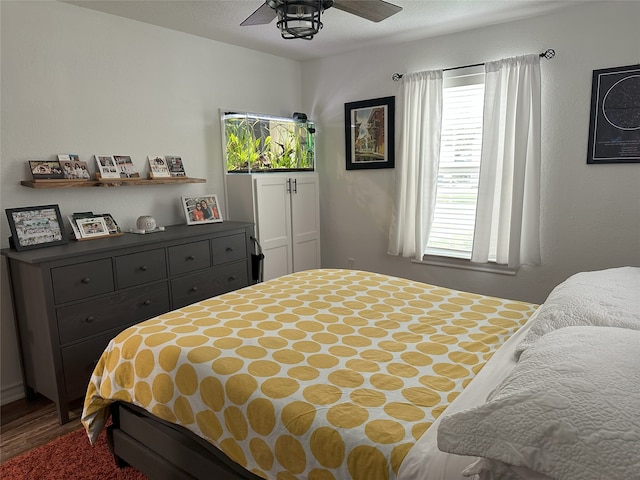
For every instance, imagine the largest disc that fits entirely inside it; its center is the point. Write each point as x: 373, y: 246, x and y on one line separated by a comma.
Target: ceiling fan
x: 301, y: 18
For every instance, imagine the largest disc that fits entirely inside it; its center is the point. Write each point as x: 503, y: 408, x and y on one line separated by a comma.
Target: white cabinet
x: 285, y: 208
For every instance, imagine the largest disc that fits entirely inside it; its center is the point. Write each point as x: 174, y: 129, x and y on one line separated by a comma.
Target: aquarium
x: 262, y: 143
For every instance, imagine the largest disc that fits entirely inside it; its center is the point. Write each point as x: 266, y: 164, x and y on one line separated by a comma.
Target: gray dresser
x: 70, y: 300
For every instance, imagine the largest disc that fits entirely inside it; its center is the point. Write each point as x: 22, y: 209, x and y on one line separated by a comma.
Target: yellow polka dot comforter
x: 322, y: 374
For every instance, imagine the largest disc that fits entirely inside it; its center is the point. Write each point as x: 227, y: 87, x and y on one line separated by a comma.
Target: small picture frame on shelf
x: 158, y: 167
x: 125, y: 167
x: 46, y: 170
x: 175, y: 165
x: 73, y: 168
x: 107, y: 166
x: 201, y: 209
x: 36, y: 227
x: 92, y: 227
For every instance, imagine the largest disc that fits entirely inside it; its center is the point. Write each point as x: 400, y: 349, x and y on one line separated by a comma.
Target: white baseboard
x: 11, y: 393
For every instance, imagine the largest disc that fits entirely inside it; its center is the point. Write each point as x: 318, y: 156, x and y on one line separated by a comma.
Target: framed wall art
x: 36, y: 227
x: 614, y: 127
x: 370, y: 134
x: 201, y: 209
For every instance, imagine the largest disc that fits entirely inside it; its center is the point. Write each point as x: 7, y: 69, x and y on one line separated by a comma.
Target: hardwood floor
x: 28, y: 424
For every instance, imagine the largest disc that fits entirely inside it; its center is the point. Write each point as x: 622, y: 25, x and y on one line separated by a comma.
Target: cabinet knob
x: 191, y: 257
x: 229, y: 249
x: 89, y: 319
x: 85, y: 280
x: 231, y: 278
x: 194, y: 289
x: 143, y: 268
x: 147, y: 302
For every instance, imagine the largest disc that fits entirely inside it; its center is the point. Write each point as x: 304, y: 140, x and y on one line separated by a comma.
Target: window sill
x: 465, y: 264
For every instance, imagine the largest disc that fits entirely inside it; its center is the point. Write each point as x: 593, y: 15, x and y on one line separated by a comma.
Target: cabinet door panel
x: 273, y: 207
x: 305, y: 220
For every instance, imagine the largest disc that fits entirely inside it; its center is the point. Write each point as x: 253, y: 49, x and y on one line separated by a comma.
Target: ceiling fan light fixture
x: 299, y: 18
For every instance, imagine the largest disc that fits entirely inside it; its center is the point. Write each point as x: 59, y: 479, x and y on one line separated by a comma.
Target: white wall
x: 590, y: 213
x: 79, y: 81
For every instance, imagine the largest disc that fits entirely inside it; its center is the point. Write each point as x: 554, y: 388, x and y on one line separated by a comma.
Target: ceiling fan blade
x: 374, y: 10
x: 263, y: 15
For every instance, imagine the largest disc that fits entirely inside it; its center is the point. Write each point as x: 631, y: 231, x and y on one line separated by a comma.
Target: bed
x: 322, y: 374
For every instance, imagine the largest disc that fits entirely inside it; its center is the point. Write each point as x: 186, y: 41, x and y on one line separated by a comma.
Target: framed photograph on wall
x: 36, y: 227
x: 614, y: 127
x: 369, y: 133
x: 201, y: 209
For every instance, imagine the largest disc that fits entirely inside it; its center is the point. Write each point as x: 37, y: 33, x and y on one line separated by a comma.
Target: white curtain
x: 418, y: 152
x: 508, y: 209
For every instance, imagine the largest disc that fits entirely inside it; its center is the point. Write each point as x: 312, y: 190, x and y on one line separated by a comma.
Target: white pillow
x: 607, y: 298
x: 570, y: 409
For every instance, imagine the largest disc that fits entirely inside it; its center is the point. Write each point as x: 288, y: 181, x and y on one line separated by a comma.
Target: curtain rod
x: 548, y: 54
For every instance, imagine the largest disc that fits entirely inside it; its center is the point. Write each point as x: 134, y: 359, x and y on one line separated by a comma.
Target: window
x: 459, y: 168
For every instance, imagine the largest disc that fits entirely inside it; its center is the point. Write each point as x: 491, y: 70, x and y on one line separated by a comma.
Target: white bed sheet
x: 424, y: 461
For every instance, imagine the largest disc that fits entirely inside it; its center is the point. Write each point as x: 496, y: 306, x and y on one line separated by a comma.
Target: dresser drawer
x: 192, y: 288
x: 229, y: 249
x: 139, y: 268
x: 78, y: 362
x: 189, y: 257
x: 76, y: 322
x: 202, y: 285
x: 82, y: 280
x: 231, y: 277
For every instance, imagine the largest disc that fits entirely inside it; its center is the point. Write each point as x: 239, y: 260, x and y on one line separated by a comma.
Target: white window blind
x: 457, y: 185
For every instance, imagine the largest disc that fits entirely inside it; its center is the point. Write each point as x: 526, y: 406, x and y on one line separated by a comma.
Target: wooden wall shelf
x: 108, y: 182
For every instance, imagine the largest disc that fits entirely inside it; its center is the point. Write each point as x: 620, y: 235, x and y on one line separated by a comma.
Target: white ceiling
x: 220, y: 20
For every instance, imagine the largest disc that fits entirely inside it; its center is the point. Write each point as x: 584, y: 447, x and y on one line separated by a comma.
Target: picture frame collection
x: 43, y: 226
x: 68, y: 167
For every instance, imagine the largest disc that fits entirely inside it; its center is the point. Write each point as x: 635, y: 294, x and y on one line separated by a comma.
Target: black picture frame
x: 370, y: 133
x: 36, y: 227
x: 614, y: 124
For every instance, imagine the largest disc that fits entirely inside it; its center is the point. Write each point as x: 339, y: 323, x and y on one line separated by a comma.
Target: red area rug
x: 68, y: 457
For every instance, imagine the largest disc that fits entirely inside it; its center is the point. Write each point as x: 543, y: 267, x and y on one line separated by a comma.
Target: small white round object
x: 146, y: 223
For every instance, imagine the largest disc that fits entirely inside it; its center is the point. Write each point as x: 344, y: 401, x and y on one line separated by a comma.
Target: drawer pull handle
x: 85, y: 280
x: 191, y: 257
x: 147, y: 302
x: 232, y: 278
x: 194, y: 289
x: 143, y: 268
x: 89, y: 319
x: 229, y: 249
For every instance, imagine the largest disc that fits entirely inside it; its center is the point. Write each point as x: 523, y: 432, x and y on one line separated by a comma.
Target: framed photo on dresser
x: 36, y: 227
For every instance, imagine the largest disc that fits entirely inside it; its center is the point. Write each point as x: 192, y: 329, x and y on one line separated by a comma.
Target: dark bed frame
x: 163, y: 451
